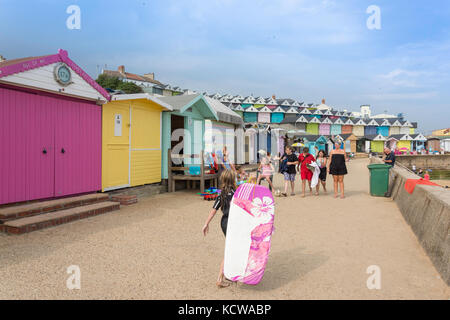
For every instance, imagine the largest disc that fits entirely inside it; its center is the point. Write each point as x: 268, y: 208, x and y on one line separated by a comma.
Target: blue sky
x: 303, y: 49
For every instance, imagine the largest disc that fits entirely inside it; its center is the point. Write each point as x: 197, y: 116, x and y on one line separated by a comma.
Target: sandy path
x: 154, y: 249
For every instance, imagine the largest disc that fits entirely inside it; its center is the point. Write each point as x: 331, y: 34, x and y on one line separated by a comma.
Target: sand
x: 321, y: 249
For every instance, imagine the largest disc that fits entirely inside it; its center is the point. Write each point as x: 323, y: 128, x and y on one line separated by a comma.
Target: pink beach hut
x: 324, y: 127
x: 51, y: 133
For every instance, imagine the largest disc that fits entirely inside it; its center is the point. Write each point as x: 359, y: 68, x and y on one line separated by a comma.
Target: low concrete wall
x: 427, y: 211
x: 436, y: 161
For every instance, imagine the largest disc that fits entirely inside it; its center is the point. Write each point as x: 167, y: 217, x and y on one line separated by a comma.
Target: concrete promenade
x: 321, y: 249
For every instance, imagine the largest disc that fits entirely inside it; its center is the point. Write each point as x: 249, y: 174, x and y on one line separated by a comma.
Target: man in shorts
x: 289, y: 162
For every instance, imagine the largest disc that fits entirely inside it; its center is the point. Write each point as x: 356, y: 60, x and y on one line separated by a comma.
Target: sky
x: 307, y: 50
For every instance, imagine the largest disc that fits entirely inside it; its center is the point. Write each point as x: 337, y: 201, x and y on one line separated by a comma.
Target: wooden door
x: 116, y: 145
x: 77, y: 147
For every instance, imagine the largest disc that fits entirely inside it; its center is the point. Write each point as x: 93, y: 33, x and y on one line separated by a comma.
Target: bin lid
x: 378, y: 166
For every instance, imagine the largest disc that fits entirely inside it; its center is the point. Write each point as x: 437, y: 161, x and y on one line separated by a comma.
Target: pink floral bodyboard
x: 249, y: 231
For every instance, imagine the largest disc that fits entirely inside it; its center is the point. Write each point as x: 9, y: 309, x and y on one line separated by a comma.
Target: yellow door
x: 145, y: 142
x: 115, y: 145
x: 404, y: 144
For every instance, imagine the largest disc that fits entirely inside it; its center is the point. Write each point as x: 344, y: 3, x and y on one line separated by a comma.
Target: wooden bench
x: 190, y: 179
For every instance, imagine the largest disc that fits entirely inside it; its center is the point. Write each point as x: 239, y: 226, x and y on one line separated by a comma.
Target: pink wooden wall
x: 33, y: 122
x: 324, y: 129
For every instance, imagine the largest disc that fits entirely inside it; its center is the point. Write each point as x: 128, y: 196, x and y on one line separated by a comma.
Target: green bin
x: 379, y: 179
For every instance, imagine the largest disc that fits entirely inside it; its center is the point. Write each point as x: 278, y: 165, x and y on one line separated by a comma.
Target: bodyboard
x: 249, y: 232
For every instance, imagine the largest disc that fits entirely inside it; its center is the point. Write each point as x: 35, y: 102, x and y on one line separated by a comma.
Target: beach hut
x: 418, y: 142
x: 336, y: 127
x: 277, y: 114
x: 358, y: 127
x: 363, y: 144
x: 433, y: 144
x: 250, y: 113
x: 277, y: 141
x: 383, y: 127
x: 312, y: 127
x: 376, y: 142
x: 131, y: 140
x: 325, y: 126
x: 445, y: 144
x: 394, y: 127
x: 51, y: 130
x: 349, y: 142
x: 262, y: 139
x: 263, y: 114
x: 404, y: 143
x: 347, y: 127
x: 251, y: 151
x: 371, y: 128
x: 183, y: 129
x: 405, y: 128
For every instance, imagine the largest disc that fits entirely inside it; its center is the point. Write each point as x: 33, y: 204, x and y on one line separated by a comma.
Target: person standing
x: 223, y: 202
x: 337, y: 168
x: 288, y: 163
x: 322, y: 163
x: 305, y: 174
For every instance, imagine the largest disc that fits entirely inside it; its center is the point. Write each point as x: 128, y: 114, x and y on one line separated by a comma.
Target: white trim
x: 305, y: 111
x: 134, y: 96
x: 301, y: 118
x: 129, y: 150
x: 117, y: 187
x: 279, y: 109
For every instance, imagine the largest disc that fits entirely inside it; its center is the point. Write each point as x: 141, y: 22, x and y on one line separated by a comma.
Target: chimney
x: 273, y: 97
x: 150, y: 75
x: 121, y: 69
x: 323, y: 101
x: 2, y: 58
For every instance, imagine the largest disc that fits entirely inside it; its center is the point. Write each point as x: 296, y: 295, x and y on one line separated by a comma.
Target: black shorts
x: 323, y: 174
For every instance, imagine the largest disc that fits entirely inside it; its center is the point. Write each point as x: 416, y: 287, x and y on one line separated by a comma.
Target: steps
x: 35, y: 216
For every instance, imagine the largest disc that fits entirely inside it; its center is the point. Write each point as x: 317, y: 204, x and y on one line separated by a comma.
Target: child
x: 322, y: 163
x: 426, y: 176
x: 288, y: 163
x: 223, y: 201
x: 242, y: 176
x: 266, y: 169
x: 303, y: 160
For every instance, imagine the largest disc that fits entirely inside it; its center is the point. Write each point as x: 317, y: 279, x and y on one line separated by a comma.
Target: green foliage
x: 129, y: 87
x: 115, y: 83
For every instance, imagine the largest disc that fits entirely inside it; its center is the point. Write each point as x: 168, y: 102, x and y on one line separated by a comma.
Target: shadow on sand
x: 286, y: 266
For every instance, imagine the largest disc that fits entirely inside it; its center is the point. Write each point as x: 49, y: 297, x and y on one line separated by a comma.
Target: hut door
x: 78, y: 138
x: 247, y: 147
x: 116, y: 146
x: 27, y: 155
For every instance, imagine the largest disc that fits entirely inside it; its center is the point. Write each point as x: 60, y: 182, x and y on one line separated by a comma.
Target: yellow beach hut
x: 131, y: 140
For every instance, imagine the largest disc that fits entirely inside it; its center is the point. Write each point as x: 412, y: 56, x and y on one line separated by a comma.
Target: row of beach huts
x: 63, y: 134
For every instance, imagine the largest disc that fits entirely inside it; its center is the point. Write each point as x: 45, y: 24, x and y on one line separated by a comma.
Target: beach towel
x: 410, y: 184
x: 316, y: 173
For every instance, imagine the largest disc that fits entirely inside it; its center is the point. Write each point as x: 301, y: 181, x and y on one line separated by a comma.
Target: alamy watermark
x: 73, y: 22
x: 374, y: 280
x: 74, y: 280
x: 374, y: 20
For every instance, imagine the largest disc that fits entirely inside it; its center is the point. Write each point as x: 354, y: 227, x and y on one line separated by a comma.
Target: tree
x: 129, y: 87
x: 115, y: 83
